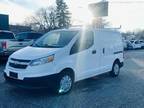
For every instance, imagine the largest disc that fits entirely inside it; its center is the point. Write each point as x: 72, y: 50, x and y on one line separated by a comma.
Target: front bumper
x: 34, y: 82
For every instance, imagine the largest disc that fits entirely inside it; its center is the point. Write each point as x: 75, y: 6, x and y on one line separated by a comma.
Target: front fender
x: 63, y: 65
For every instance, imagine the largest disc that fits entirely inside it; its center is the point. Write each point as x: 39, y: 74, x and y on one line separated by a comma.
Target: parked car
x: 136, y: 44
x: 11, y: 43
x: 6, y: 41
x: 127, y: 45
x: 142, y: 43
x: 62, y: 57
x: 26, y: 38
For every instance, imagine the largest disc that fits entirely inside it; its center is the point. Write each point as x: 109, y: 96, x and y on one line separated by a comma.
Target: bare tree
x: 46, y: 19
x: 52, y: 18
x: 43, y: 20
x: 140, y: 34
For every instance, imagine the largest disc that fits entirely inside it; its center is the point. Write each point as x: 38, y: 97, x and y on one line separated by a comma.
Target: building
x: 4, y: 22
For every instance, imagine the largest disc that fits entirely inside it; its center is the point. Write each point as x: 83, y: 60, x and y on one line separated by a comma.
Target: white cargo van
x: 62, y: 57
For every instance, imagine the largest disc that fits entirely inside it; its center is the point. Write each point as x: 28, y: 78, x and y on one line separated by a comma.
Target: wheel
x: 115, y: 69
x: 64, y: 83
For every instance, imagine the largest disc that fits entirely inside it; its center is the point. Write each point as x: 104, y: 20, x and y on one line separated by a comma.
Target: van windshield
x: 56, y: 39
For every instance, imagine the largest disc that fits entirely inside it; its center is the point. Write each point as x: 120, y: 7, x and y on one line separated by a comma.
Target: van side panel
x: 108, y: 46
x: 110, y: 43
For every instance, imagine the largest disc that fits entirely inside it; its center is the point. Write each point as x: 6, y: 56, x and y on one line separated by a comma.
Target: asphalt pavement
x: 125, y: 91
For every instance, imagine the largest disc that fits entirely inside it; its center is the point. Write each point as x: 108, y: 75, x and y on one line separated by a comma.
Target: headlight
x: 42, y: 60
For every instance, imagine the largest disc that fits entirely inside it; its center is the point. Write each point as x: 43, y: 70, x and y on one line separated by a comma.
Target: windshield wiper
x: 36, y: 45
x: 47, y: 46
x: 52, y: 46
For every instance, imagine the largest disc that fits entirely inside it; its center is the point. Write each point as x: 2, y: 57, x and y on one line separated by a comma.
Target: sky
x: 127, y: 13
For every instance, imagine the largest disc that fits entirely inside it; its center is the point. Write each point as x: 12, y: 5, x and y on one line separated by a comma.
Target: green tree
x: 62, y: 14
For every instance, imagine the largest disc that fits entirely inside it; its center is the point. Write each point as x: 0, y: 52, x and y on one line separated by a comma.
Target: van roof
x: 89, y: 28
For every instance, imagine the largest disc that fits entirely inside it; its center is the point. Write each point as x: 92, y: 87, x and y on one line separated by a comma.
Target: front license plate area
x: 13, y: 75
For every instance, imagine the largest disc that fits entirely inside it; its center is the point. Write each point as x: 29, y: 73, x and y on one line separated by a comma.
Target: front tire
x: 64, y: 83
x: 115, y: 69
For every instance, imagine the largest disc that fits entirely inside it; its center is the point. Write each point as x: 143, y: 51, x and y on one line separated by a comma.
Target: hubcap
x: 65, y: 84
x: 116, y: 69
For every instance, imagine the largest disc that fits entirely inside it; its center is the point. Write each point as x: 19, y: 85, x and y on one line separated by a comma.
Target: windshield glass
x: 6, y: 35
x: 28, y: 35
x: 56, y: 39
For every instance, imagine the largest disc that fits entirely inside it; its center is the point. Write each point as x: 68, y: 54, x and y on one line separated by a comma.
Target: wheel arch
x: 116, y: 60
x: 68, y: 70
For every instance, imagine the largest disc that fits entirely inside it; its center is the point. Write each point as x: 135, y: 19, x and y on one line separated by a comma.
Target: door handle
x: 93, y: 51
x: 103, y: 50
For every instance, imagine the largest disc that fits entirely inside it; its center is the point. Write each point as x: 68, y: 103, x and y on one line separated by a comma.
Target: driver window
x: 84, y: 42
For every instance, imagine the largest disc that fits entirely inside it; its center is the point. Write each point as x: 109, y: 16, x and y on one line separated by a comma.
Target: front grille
x: 17, y: 66
x: 20, y: 60
x: 13, y: 75
x: 19, y: 63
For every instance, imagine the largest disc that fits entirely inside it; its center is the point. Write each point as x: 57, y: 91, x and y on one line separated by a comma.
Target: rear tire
x: 64, y: 83
x: 115, y: 69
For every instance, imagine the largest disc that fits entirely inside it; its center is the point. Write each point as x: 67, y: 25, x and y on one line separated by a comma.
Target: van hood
x: 31, y: 53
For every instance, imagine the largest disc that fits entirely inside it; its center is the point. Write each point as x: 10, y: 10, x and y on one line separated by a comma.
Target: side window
x: 85, y: 41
